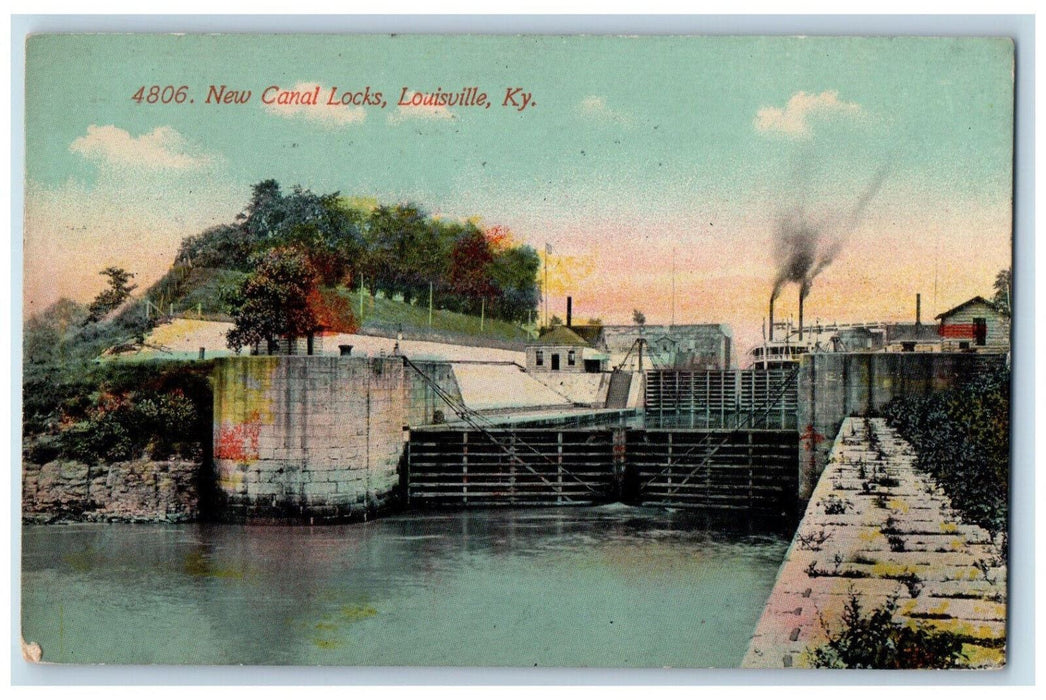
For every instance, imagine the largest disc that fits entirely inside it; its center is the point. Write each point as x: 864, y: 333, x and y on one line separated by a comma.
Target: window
x: 964, y: 345
x: 571, y: 358
x: 539, y: 357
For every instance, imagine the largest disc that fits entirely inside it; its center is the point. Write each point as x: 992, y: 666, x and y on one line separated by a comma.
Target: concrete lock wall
x: 833, y: 386
x: 425, y: 406
x: 307, y: 438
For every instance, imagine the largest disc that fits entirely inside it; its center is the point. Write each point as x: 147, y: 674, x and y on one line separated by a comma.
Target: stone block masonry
x: 833, y: 386
x: 877, y: 528
x: 309, y: 439
x: 141, y: 490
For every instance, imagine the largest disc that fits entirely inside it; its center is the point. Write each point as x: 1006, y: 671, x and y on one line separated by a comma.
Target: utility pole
x: 673, y: 323
x: 361, y: 298
x: 548, y: 252
x: 430, y: 304
x: 482, y: 312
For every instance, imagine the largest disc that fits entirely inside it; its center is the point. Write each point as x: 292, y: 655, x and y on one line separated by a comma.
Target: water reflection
x: 607, y: 586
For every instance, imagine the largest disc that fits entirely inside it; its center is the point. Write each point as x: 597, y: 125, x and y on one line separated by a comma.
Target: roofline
x: 966, y: 303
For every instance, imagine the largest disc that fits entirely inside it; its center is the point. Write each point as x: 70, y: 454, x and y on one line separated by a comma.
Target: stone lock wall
x: 833, y: 386
x: 312, y: 439
x: 140, y: 490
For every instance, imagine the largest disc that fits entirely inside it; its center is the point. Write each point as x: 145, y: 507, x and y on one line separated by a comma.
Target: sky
x: 647, y: 164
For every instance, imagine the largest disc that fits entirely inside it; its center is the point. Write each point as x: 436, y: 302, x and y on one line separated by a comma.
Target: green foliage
x: 1003, y: 286
x: 273, y: 302
x: 397, y: 250
x: 962, y: 438
x: 46, y: 335
x: 877, y: 642
x: 223, y: 246
x: 114, y: 295
x: 112, y: 412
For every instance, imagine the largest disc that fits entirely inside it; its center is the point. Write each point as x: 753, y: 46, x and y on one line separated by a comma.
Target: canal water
x: 609, y: 586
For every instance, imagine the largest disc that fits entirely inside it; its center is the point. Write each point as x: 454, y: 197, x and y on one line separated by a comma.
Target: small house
x: 976, y: 325
x: 561, y: 349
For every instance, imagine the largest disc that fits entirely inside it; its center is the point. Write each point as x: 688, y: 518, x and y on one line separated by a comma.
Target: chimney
x: 801, y: 296
x: 570, y: 308
x: 918, y: 309
x: 771, y: 317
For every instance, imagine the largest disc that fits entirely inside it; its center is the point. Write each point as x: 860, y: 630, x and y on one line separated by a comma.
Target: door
x: 555, y: 361
x: 980, y: 331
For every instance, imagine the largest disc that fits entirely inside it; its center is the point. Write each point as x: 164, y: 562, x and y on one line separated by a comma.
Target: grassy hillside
x: 388, y: 316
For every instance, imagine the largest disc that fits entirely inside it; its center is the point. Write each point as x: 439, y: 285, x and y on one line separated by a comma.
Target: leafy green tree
x: 224, y: 246
x: 470, y: 262
x: 1004, y: 291
x: 115, y: 294
x: 513, y: 272
x: 396, y: 261
x: 273, y: 302
x: 46, y: 334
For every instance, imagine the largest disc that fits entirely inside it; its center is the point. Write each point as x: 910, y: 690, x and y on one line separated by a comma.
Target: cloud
x: 163, y: 148
x: 328, y: 115
x: 595, y: 107
x: 793, y: 120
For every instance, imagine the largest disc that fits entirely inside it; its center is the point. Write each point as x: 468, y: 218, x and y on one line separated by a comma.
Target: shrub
x: 117, y: 412
x: 876, y: 641
x: 962, y: 439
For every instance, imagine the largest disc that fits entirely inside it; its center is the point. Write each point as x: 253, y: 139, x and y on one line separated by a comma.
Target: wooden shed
x: 976, y: 325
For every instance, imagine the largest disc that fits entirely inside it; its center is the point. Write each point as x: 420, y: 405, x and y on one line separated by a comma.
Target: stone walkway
x: 877, y: 528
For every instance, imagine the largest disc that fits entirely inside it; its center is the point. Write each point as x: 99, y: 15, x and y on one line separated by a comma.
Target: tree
x: 273, y: 302
x: 1004, y: 291
x: 116, y: 294
x: 222, y: 246
x: 638, y: 317
x: 470, y: 262
x: 514, y: 273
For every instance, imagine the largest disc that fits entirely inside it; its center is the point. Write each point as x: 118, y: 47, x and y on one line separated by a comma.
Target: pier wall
x: 879, y: 530
x: 308, y: 438
x: 833, y: 386
x: 424, y: 405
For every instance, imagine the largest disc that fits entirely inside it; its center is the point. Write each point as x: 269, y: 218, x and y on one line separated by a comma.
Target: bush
x: 876, y: 641
x: 117, y: 412
x: 962, y: 439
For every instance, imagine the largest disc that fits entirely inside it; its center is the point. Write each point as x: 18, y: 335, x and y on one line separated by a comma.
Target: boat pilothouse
x: 787, y: 345
x: 777, y: 354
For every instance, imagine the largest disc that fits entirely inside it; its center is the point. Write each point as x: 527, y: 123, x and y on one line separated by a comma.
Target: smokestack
x: 570, y: 308
x: 771, y: 318
x: 918, y: 309
x: 801, y: 297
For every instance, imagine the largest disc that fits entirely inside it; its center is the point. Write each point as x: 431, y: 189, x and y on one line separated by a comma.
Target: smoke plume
x: 804, y: 245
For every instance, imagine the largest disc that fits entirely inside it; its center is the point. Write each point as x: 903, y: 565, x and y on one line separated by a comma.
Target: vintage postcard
x: 568, y: 351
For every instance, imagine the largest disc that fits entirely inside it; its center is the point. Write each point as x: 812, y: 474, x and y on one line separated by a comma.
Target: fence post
x: 559, y: 467
x: 465, y: 467
x: 619, y: 464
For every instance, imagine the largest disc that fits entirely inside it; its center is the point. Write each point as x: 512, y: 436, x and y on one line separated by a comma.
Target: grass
x: 387, y: 316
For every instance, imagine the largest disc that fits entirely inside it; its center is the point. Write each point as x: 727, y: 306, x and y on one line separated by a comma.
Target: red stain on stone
x: 239, y: 442
x: 811, y: 437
